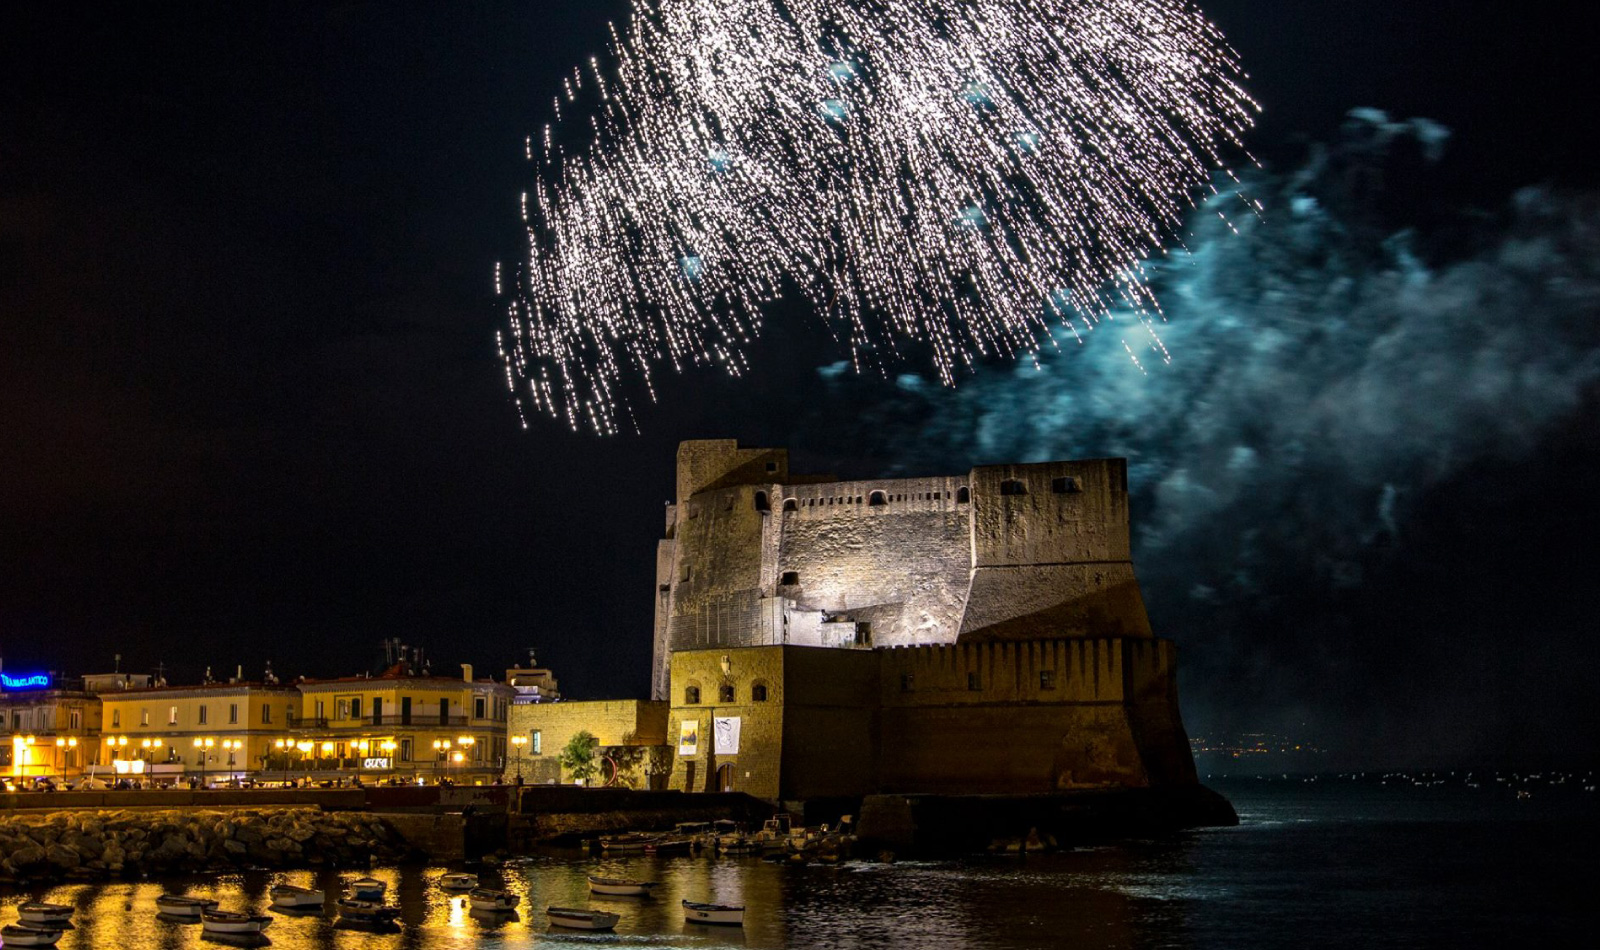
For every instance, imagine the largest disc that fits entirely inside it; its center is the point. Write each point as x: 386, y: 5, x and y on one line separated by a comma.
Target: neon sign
x: 24, y: 682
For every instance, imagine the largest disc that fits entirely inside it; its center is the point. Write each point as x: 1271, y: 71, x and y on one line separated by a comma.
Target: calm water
x: 1328, y: 863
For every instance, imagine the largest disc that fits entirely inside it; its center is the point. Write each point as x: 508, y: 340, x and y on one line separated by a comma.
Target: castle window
x: 1065, y: 485
x: 761, y: 502
x: 907, y: 681
x: 725, y: 693
x: 758, y: 693
x: 789, y: 504
x: 963, y: 496
x: 972, y: 682
x: 1047, y: 679
x: 1012, y: 486
x: 877, y: 498
x: 686, y: 572
x: 864, y: 633
x: 789, y: 578
x: 772, y: 466
x: 691, y: 696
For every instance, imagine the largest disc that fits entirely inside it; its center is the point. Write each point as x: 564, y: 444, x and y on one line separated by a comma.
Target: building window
x: 75, y: 719
x: 405, y: 750
x: 1047, y: 679
x: 536, y: 742
x: 1065, y: 485
x: 877, y: 498
x: 686, y: 573
x: 691, y: 696
x: 772, y: 466
x: 761, y: 502
x: 790, y: 504
x: 116, y: 719
x: 963, y: 496
x: 172, y: 715
x: 320, y: 711
x: 789, y: 578
x: 230, y: 757
x: 233, y: 714
x: 479, y: 708
x: 355, y: 708
x: 725, y: 693
x: 972, y: 682
x: 203, y: 715
x: 344, y: 708
x: 377, y: 710
x: 144, y: 717
x: 907, y: 682
x: 758, y: 693
x: 1012, y: 486
x: 266, y: 713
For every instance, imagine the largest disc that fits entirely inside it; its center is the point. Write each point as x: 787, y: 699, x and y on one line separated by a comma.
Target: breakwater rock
x: 132, y: 842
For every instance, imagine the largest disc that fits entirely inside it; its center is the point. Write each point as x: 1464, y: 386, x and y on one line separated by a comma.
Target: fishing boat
x: 486, y: 898
x: 458, y: 881
x: 575, y: 918
x: 620, y: 887
x: 228, y: 922
x: 370, y: 913
x: 670, y: 844
x: 38, y: 912
x: 632, y: 841
x: 17, y: 935
x: 292, y: 897
x: 189, y: 908
x: 367, y: 889
x: 730, y: 914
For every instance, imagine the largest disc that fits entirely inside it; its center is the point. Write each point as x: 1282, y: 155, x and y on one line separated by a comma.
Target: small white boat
x: 366, y: 912
x: 458, y: 881
x: 484, y: 898
x: 14, y: 935
x: 288, y: 895
x: 730, y: 914
x: 574, y: 918
x: 176, y: 905
x: 367, y: 889
x: 38, y: 912
x: 619, y: 887
x: 228, y: 922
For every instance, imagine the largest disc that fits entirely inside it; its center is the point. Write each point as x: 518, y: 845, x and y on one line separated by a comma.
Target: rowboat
x: 670, y: 844
x: 632, y: 841
x: 619, y: 887
x: 367, y: 889
x: 730, y: 914
x: 38, y: 912
x: 366, y: 912
x: 458, y: 881
x: 485, y: 898
x: 176, y: 905
x: 288, y: 895
x: 228, y: 922
x: 16, y: 935
x: 575, y: 918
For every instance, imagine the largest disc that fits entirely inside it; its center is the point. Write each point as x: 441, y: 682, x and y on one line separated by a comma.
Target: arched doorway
x: 725, y: 777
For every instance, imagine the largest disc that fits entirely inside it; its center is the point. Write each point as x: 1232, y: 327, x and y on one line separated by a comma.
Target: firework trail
x: 961, y: 177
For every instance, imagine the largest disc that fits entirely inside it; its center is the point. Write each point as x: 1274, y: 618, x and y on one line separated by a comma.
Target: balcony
x: 371, y: 722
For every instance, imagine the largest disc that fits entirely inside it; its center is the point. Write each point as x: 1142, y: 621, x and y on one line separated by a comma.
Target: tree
x: 579, y: 756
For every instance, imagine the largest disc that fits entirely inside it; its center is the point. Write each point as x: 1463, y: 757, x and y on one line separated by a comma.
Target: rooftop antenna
x: 116, y: 663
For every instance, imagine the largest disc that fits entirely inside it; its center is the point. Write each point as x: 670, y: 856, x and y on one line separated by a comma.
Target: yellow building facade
x: 399, y: 727
x: 630, y: 738
x: 207, y: 733
x: 47, y: 733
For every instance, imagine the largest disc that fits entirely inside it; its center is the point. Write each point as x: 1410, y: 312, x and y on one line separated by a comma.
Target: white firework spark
x: 962, y: 175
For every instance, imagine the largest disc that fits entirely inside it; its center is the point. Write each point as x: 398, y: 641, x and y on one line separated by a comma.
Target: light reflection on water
x: 1309, y: 868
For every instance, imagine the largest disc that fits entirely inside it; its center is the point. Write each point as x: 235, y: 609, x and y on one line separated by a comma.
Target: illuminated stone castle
x: 972, y: 633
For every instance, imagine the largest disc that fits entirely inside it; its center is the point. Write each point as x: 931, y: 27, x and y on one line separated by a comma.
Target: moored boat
x: 632, y: 841
x: 366, y: 912
x: 177, y: 905
x: 290, y: 896
x: 228, y: 922
x: 669, y: 844
x: 620, y: 887
x: 458, y: 881
x: 38, y: 912
x: 17, y: 935
x: 367, y: 889
x: 729, y: 914
x: 575, y: 918
x: 487, y: 898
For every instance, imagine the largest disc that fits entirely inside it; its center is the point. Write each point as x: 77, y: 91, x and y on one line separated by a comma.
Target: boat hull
x: 234, y: 926
x: 720, y: 915
x: 621, y: 888
x: 581, y: 919
x: 13, y: 936
x: 188, y: 910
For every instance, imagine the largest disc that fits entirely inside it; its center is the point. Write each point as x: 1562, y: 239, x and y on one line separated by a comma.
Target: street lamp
x: 441, y: 749
x: 517, y: 742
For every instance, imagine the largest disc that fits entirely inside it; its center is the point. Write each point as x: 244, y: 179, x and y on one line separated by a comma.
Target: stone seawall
x: 92, y: 844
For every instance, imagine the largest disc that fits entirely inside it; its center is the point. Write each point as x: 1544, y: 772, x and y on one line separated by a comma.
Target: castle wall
x: 613, y: 722
x: 756, y: 767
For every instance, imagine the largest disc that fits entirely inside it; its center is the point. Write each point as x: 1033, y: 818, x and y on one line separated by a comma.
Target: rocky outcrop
x: 99, y: 844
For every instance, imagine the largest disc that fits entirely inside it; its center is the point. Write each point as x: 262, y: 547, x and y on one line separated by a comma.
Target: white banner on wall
x: 726, y: 732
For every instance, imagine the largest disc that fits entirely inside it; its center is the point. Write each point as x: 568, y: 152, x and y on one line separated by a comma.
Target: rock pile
x: 97, y: 844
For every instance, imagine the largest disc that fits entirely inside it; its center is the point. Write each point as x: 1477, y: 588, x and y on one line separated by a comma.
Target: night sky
x: 251, y: 408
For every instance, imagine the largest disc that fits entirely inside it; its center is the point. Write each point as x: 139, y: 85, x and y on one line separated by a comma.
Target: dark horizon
x: 248, y: 373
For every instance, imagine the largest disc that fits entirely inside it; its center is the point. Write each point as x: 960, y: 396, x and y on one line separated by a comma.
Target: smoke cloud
x: 1340, y: 364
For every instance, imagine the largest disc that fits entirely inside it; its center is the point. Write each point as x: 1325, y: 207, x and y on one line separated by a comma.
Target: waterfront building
x: 49, y: 728
x: 206, y: 733
x: 630, y: 741
x: 398, y: 726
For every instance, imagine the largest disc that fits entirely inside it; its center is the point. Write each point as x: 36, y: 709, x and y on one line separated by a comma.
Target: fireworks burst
x: 964, y: 175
